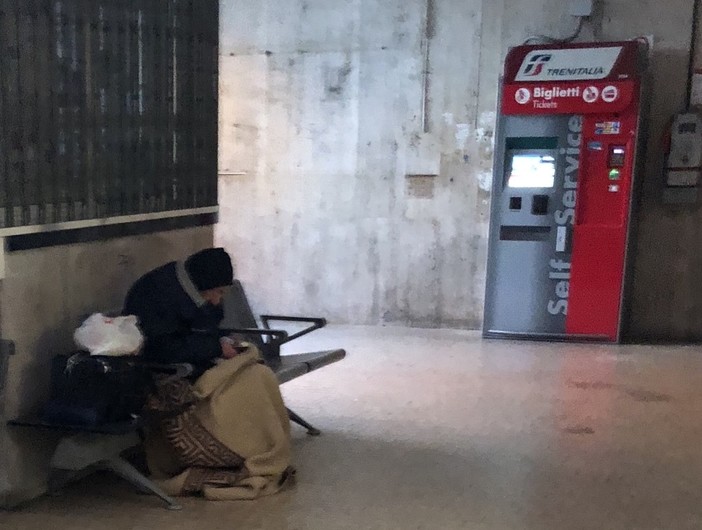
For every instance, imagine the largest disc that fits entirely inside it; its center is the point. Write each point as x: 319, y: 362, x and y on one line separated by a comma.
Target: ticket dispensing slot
x: 525, y: 233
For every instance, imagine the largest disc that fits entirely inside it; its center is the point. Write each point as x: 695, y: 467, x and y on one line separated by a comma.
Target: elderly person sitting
x: 225, y: 434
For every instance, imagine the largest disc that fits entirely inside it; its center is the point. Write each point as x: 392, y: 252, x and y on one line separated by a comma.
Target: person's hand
x: 229, y: 351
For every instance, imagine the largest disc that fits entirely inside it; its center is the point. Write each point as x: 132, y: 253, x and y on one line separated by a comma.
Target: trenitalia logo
x: 536, y: 65
x: 570, y: 64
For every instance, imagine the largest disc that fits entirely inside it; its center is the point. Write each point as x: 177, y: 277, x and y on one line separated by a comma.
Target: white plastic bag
x: 101, y: 335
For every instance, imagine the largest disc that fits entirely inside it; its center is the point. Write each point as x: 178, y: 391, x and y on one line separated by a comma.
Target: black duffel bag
x: 94, y: 390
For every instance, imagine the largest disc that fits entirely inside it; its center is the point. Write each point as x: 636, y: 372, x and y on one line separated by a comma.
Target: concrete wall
x: 42, y: 299
x: 667, y: 297
x: 321, y: 107
x: 321, y: 122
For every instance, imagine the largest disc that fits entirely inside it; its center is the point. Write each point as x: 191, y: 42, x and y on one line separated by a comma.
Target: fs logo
x: 536, y: 64
x: 523, y: 96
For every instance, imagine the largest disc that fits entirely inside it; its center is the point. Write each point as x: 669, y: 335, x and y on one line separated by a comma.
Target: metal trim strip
x: 106, y: 221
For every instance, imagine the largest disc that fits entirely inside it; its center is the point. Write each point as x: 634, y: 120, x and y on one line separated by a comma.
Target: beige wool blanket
x: 225, y: 437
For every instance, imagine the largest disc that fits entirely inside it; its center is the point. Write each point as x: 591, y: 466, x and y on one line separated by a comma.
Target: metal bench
x: 239, y: 319
x: 83, y: 449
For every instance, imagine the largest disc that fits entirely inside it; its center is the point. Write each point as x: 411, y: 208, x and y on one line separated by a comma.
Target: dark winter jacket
x: 179, y: 326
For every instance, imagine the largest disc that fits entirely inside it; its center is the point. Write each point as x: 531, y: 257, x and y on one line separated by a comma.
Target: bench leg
x: 311, y: 430
x: 128, y: 472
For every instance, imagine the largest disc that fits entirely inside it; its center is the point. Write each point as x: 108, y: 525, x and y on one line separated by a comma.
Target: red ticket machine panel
x: 571, y: 113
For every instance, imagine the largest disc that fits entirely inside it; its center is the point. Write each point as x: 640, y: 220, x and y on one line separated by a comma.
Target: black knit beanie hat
x: 210, y: 268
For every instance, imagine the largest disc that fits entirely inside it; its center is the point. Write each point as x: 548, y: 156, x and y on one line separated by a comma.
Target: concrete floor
x: 439, y: 430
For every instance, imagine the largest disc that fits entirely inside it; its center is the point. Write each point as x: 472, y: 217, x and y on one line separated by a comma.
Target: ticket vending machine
x: 565, y: 180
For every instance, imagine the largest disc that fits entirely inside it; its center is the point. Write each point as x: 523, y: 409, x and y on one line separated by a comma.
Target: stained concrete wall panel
x: 242, y: 79
x: 524, y: 18
x: 387, y: 103
x: 414, y: 266
x: 242, y: 27
x: 312, y: 25
x: 393, y: 24
x: 328, y: 113
x: 455, y: 49
x: 669, y: 23
x: 339, y: 128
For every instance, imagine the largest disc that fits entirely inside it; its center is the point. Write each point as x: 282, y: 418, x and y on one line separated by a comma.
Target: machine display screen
x: 532, y: 170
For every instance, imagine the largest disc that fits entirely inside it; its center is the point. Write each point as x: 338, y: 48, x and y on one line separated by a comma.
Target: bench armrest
x: 315, y: 323
x: 278, y: 335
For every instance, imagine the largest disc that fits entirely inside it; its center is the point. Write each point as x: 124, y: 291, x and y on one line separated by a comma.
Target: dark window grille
x: 108, y: 108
